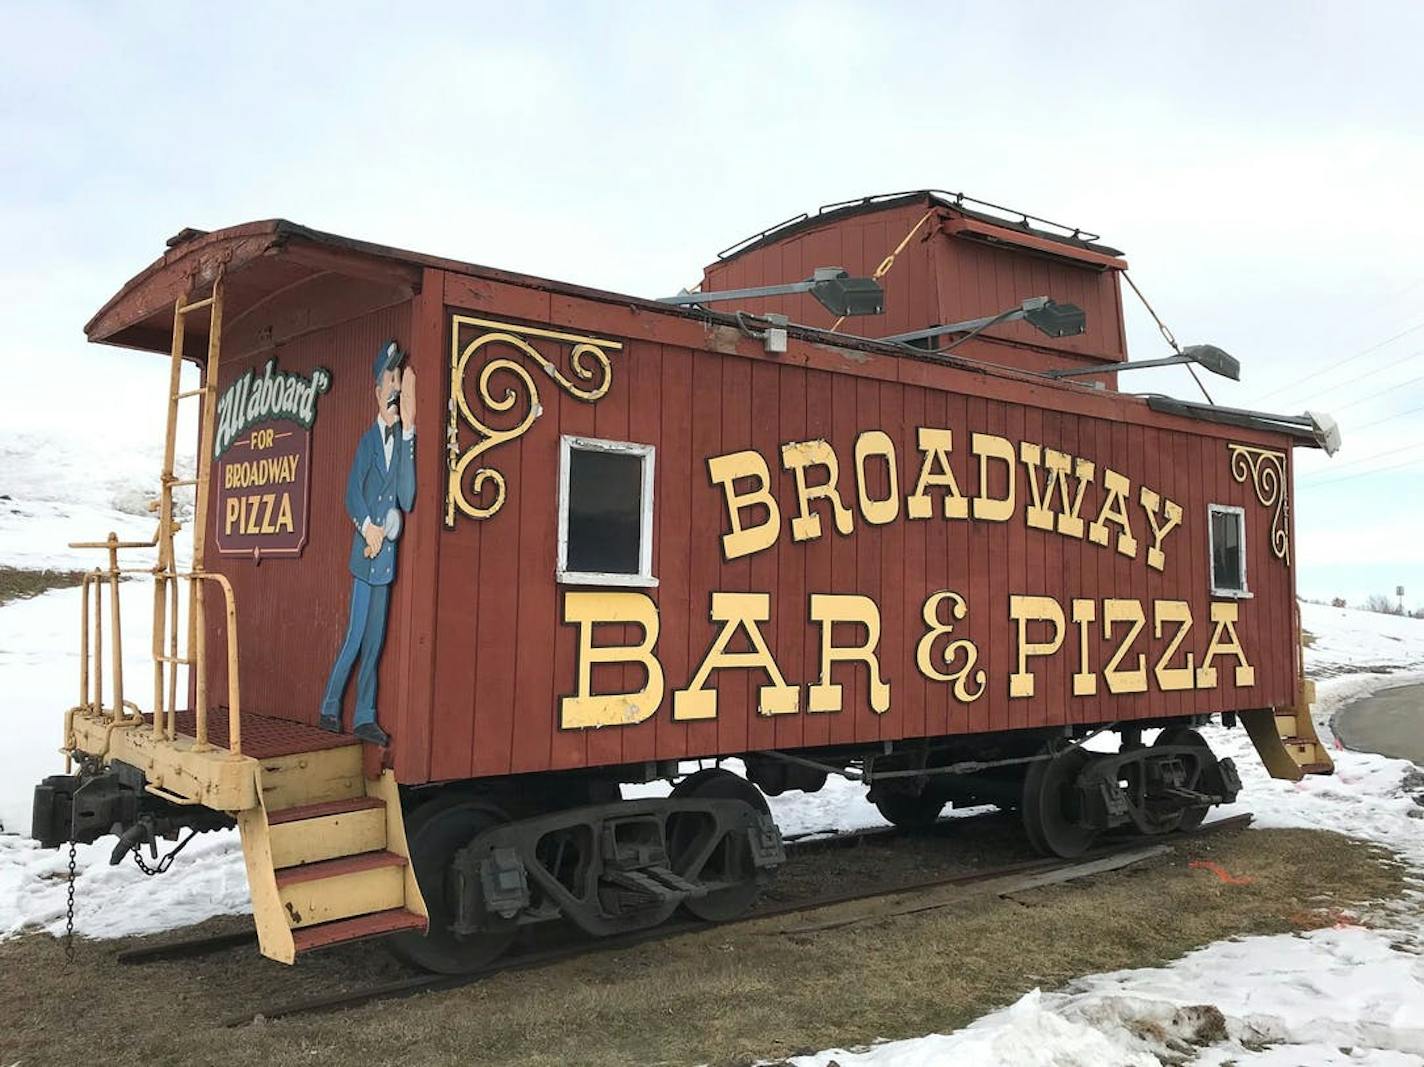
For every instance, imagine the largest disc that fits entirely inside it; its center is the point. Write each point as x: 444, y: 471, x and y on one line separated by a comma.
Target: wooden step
x: 303, y: 778
x: 342, y: 888
x: 329, y: 829
x: 338, y: 868
x: 322, y: 809
x: 376, y: 924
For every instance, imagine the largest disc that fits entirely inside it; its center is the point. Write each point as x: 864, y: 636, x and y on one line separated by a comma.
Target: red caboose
x: 489, y: 546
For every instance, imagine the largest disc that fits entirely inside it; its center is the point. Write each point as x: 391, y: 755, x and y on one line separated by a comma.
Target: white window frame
x: 648, y: 454
x: 1244, y: 593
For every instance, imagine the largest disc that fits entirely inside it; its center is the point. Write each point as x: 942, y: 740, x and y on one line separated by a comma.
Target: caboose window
x: 605, y: 512
x: 1228, y: 550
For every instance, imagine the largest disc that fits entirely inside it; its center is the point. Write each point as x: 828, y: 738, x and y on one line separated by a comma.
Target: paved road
x: 1391, y: 722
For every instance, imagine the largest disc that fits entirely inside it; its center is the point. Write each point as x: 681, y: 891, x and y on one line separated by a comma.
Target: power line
x: 1388, y: 366
x: 1364, y: 474
x: 1380, y: 392
x: 1390, y: 418
x: 1344, y: 362
x: 1363, y: 459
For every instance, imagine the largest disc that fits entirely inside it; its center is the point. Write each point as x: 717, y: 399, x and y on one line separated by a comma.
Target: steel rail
x: 531, y: 960
x: 808, y: 842
x: 804, y: 843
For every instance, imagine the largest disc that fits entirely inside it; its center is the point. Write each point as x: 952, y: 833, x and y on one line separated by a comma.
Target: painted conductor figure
x: 379, y: 490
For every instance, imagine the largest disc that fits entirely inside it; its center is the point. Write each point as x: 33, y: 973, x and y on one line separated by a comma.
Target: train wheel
x: 911, y: 810
x: 435, y: 832
x: 731, y: 860
x: 1184, y: 735
x: 1047, y: 807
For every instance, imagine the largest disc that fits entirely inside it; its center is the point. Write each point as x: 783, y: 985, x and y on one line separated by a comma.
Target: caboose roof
x: 1032, y: 227
x: 267, y: 262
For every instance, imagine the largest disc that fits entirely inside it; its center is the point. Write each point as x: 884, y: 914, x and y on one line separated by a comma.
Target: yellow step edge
x: 342, y: 896
x: 328, y: 837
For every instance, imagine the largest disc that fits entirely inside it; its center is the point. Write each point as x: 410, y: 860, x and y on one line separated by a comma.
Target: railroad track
x: 1014, y: 877
x: 803, y: 843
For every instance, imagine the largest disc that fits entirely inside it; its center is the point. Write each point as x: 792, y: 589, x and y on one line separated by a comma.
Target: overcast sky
x: 1261, y: 165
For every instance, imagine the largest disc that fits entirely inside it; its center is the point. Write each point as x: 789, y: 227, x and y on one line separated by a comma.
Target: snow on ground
x: 1348, y: 641
x: 72, y: 495
x: 1347, y: 995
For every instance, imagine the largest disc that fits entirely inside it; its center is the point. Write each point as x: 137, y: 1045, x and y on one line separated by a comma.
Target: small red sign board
x: 263, y: 487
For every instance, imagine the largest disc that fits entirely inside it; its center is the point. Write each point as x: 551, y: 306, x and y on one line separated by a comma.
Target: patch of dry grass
x: 728, y: 996
x: 18, y: 583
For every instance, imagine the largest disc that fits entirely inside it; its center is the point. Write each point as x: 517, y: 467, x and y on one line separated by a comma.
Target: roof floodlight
x: 1208, y: 356
x: 1327, y: 431
x: 1045, y: 315
x: 1214, y: 360
x: 833, y: 288
x: 1057, y: 320
x: 840, y: 294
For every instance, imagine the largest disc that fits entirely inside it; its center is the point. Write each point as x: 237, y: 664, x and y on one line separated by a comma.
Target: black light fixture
x: 1207, y: 356
x: 1042, y: 313
x: 833, y: 288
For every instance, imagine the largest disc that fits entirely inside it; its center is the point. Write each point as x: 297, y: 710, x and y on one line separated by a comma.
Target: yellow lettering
x: 1023, y: 610
x: 586, y: 708
x: 737, y: 611
x: 935, y: 472
x: 829, y: 609
x: 1120, y: 681
x: 1173, y: 513
x: 1224, y: 641
x: 231, y: 513
x: 796, y: 457
x: 935, y: 629
x: 873, y: 443
x: 725, y: 471
x: 1114, y: 510
x: 1180, y: 612
x: 988, y: 446
x: 1085, y: 682
x: 1040, y: 513
x: 284, y: 517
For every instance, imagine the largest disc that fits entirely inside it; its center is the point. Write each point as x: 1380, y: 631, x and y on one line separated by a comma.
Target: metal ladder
x: 166, y: 575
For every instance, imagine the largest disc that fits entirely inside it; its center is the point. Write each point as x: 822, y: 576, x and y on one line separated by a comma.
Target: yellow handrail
x: 234, y: 690
x: 166, y: 576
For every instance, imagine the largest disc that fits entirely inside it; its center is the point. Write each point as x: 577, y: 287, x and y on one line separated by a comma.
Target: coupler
x: 111, y: 799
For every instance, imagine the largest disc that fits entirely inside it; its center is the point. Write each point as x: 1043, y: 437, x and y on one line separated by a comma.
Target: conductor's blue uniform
x: 382, y: 478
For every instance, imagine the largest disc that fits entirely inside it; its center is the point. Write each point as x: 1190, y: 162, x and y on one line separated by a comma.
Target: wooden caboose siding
x: 941, y: 276
x: 292, y: 613
x: 502, y: 659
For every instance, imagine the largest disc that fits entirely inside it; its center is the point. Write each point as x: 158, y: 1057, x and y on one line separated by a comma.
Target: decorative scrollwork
x: 1267, y: 471
x: 590, y: 375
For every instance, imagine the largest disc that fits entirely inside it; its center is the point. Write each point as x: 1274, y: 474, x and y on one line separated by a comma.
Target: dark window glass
x: 1227, y: 566
x: 605, y: 512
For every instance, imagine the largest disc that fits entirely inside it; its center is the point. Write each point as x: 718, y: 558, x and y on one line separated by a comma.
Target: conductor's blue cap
x: 389, y: 357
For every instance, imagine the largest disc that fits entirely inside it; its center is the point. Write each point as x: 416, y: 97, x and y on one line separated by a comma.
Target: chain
x: 166, y: 861
x: 69, y: 912
x: 889, y: 261
x: 1167, y: 334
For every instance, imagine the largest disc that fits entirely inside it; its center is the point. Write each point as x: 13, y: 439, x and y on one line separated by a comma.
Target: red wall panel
x: 503, y: 659
x: 477, y: 657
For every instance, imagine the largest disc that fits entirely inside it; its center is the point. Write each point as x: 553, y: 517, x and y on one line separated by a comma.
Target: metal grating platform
x: 264, y: 736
